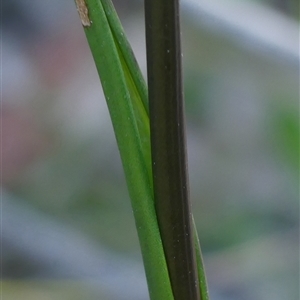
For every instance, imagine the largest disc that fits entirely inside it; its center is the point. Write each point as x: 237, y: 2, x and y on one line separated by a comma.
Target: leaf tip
x: 83, y: 13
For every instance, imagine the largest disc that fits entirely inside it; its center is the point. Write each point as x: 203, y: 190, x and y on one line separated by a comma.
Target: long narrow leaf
x: 126, y: 94
x: 135, y: 81
x: 200, y: 266
x: 129, y: 57
x: 121, y: 93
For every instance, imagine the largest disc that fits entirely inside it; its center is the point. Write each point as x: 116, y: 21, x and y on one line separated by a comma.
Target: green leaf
x: 126, y: 95
x: 124, y: 92
x: 200, y: 266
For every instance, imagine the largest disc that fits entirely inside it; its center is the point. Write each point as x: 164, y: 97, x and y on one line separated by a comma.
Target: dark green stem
x: 168, y: 145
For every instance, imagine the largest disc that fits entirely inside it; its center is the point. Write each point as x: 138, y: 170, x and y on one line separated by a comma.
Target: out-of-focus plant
x: 126, y: 95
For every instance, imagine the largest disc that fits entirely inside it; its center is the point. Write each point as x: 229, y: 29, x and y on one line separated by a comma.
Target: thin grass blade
x: 124, y: 95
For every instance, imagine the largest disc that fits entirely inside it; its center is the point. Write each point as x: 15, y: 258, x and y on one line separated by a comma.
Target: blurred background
x: 67, y: 225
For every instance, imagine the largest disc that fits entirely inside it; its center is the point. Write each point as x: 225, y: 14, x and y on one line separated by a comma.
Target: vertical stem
x: 168, y: 145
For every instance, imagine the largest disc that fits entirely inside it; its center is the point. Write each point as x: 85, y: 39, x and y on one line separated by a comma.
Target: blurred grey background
x: 67, y: 226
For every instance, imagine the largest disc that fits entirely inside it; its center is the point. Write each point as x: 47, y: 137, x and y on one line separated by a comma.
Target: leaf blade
x: 118, y: 92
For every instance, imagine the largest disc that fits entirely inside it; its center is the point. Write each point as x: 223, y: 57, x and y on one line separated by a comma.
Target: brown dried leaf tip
x: 83, y: 12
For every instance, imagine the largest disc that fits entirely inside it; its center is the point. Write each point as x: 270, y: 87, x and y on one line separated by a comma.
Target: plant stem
x: 168, y: 147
